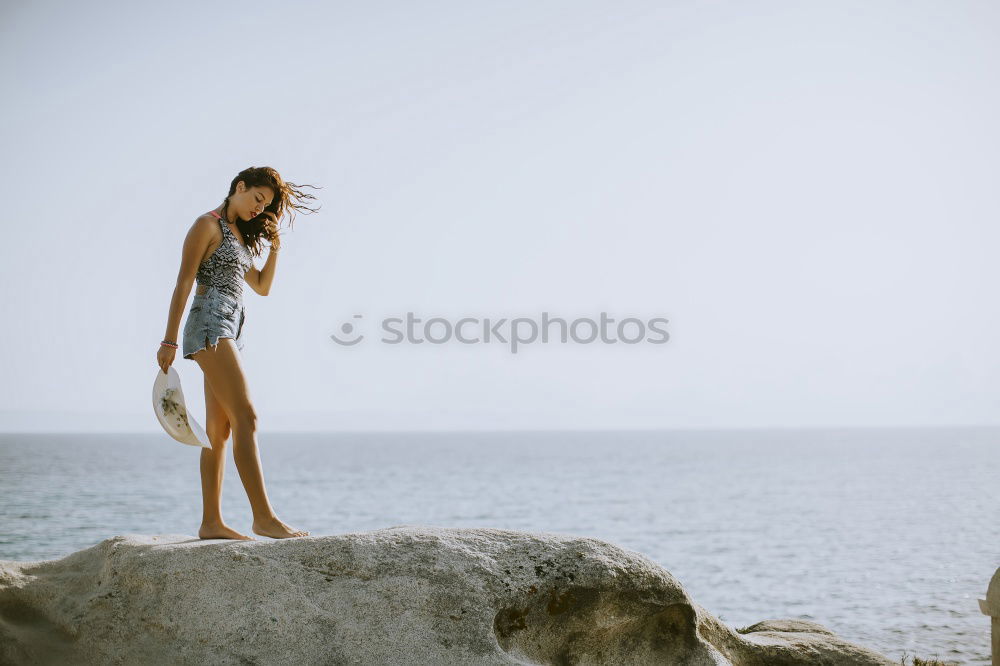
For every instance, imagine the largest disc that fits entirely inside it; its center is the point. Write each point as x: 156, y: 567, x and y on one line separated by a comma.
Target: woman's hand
x: 271, y: 229
x: 164, y: 357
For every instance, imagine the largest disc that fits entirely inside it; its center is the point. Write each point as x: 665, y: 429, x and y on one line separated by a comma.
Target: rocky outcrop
x: 402, y: 595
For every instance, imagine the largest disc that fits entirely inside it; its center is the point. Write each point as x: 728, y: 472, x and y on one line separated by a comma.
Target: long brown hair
x: 288, y: 198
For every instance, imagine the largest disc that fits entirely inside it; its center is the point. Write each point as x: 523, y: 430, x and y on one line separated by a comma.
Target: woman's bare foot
x: 276, y: 529
x: 220, y: 531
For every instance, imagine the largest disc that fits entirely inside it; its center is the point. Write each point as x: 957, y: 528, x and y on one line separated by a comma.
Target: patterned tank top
x: 225, y: 268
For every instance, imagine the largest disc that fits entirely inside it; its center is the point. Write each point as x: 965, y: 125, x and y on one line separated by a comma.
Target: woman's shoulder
x: 207, y: 223
x: 205, y: 231
x: 207, y: 217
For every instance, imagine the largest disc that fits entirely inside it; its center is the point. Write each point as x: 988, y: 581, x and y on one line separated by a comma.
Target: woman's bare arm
x: 260, y: 280
x: 198, y: 238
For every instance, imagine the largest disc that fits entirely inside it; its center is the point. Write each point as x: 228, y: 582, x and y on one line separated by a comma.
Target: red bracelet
x: 168, y: 344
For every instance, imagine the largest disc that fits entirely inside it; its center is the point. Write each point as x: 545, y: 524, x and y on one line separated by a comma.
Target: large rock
x: 402, y: 595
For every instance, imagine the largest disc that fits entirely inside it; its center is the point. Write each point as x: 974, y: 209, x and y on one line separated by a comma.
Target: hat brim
x: 171, y: 412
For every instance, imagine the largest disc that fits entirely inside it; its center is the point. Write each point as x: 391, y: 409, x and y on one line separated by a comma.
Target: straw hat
x: 168, y: 404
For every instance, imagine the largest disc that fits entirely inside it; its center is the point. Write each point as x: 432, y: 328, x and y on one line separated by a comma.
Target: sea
x: 888, y: 537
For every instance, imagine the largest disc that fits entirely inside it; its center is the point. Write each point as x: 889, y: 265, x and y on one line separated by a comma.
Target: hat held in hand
x: 168, y: 404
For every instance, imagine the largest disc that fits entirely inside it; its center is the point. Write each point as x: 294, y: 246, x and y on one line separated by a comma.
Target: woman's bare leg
x: 213, y: 466
x: 224, y: 374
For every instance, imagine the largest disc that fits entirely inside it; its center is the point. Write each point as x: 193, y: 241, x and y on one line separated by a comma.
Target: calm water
x: 887, y: 537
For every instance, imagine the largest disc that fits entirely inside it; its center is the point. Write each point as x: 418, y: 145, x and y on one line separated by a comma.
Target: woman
x: 218, y: 253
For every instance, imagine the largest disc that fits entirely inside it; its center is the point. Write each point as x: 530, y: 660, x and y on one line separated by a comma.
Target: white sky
x: 807, y: 191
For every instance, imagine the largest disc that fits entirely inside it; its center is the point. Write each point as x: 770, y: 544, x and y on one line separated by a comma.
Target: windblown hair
x: 288, y: 198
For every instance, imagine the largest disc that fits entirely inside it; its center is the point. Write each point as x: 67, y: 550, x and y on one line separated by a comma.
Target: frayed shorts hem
x: 206, y: 344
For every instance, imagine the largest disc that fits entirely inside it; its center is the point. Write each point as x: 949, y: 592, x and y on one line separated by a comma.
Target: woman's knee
x: 218, y: 432
x: 245, y: 418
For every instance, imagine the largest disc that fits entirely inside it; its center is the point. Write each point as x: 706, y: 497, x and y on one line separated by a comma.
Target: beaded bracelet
x: 169, y: 344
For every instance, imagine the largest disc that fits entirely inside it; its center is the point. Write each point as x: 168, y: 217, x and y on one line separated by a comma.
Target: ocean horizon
x: 885, y: 536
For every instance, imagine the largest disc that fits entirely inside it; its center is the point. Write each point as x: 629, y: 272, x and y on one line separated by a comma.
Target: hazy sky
x: 806, y: 191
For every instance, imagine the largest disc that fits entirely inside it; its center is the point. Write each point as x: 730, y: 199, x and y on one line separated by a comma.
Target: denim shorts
x: 213, y: 315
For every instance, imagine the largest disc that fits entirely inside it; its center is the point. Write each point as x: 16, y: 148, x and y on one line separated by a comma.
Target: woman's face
x: 249, y: 203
